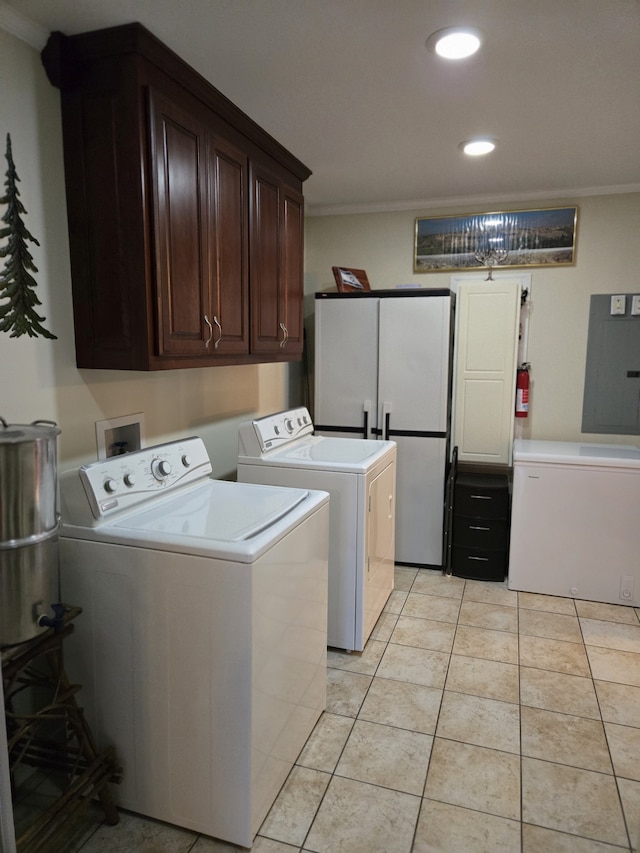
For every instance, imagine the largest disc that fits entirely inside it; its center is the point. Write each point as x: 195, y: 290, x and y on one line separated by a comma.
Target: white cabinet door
x: 346, y: 363
x: 488, y: 316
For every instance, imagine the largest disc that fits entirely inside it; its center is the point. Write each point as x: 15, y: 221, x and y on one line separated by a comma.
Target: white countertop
x: 576, y: 453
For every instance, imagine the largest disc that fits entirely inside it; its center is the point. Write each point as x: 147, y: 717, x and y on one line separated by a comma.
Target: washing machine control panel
x: 264, y: 434
x: 126, y: 481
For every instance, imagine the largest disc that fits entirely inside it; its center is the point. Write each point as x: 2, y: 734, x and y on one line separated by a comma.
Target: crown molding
x: 466, y: 201
x: 21, y: 27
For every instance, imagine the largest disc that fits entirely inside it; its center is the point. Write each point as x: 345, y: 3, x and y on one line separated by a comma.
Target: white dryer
x: 201, y: 647
x: 360, y: 476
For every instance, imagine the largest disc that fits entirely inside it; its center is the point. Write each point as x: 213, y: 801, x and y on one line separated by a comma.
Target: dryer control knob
x: 289, y: 425
x: 110, y: 485
x: 186, y: 460
x: 160, y: 468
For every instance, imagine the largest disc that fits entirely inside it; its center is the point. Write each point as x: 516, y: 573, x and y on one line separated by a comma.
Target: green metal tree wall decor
x: 18, y: 315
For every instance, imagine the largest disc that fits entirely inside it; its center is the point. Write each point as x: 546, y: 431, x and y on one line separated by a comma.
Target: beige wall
x: 38, y: 377
x: 607, y: 261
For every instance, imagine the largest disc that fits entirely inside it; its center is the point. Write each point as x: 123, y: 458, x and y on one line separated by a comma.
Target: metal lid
x: 21, y: 433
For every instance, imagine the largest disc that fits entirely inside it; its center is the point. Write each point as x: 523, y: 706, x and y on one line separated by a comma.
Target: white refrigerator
x: 382, y: 370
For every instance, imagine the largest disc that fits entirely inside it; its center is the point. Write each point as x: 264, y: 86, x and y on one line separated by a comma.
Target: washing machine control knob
x: 160, y: 468
x: 110, y: 485
x: 129, y: 480
x: 186, y: 460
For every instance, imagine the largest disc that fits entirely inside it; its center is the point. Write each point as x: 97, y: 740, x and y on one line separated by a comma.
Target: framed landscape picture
x: 527, y: 238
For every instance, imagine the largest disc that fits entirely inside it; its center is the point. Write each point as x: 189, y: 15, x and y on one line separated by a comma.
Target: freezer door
x: 346, y: 364
x: 415, y: 354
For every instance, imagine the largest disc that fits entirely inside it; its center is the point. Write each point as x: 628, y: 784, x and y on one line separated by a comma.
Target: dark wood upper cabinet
x: 185, y: 217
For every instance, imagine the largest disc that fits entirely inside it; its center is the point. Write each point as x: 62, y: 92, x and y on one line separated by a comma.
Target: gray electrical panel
x: 611, y: 401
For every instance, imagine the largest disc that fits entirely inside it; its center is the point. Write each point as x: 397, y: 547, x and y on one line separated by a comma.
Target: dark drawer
x: 481, y: 532
x: 481, y: 496
x: 479, y: 565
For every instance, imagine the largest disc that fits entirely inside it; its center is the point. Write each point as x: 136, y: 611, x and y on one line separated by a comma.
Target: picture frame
x: 350, y: 280
x: 526, y: 238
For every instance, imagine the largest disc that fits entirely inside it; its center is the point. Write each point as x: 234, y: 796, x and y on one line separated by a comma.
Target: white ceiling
x: 350, y: 89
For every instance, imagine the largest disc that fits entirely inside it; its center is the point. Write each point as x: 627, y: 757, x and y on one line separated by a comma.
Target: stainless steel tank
x: 29, y: 526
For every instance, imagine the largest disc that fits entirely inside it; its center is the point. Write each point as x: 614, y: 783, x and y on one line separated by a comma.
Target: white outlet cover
x: 635, y: 304
x: 618, y: 304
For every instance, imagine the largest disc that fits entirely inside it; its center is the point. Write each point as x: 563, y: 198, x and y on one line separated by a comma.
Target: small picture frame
x: 350, y: 280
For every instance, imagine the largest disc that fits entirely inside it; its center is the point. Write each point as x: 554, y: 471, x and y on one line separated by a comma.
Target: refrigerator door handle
x: 366, y: 407
x: 386, y: 418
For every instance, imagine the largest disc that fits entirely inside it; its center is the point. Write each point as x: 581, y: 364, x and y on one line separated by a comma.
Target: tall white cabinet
x: 486, y: 359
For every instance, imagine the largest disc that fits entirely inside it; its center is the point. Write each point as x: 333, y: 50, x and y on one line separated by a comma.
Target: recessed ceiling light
x: 478, y: 147
x: 455, y: 42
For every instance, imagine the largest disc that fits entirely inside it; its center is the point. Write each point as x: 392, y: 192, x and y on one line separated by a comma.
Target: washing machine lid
x: 576, y: 453
x: 219, y: 519
x: 355, y: 455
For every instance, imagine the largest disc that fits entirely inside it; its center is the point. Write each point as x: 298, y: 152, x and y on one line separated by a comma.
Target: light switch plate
x: 635, y: 304
x: 618, y: 304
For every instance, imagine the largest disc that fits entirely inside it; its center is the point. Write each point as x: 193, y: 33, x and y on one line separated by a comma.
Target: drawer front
x: 481, y: 532
x: 481, y: 503
x: 477, y: 564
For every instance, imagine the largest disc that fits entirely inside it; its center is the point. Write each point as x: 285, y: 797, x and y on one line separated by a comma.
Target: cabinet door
x: 276, y: 238
x: 228, y: 253
x: 486, y: 361
x: 178, y: 140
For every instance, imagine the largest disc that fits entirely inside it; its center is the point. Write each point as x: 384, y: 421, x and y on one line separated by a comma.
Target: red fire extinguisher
x: 522, y: 391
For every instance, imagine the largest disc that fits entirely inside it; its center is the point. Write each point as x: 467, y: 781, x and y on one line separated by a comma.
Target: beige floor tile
x: 488, y: 678
x: 443, y: 828
x: 346, y: 691
x: 424, y: 633
x: 490, y: 593
x: 211, y: 845
x: 387, y: 756
x: 630, y: 796
x: 624, y: 743
x: 133, y: 832
x: 556, y: 655
x: 608, y: 612
x: 359, y: 818
x: 435, y: 607
x: 265, y: 845
x: 613, y: 665
x: 397, y: 703
x: 435, y: 583
x: 326, y: 742
x: 496, y: 617
x: 403, y: 578
x: 572, y: 800
x: 295, y: 806
x: 552, y: 626
x: 565, y: 739
x: 537, y: 839
x: 396, y: 601
x: 365, y: 662
x: 611, y: 635
x: 483, y: 643
x: 550, y: 603
x: 383, y: 629
x: 556, y: 691
x: 483, y: 722
x: 474, y: 777
x: 417, y: 666
x: 619, y: 703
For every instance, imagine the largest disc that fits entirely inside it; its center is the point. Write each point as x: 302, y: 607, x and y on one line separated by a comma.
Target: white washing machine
x: 360, y: 476
x: 201, y: 647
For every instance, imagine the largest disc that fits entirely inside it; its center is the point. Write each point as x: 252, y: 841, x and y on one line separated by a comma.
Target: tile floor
x: 476, y: 719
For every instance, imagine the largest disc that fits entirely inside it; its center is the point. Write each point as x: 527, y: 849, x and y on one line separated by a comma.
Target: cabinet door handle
x: 219, y: 338
x: 480, y: 497
x: 475, y: 527
x: 285, y: 335
x: 208, y: 341
x: 482, y: 559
